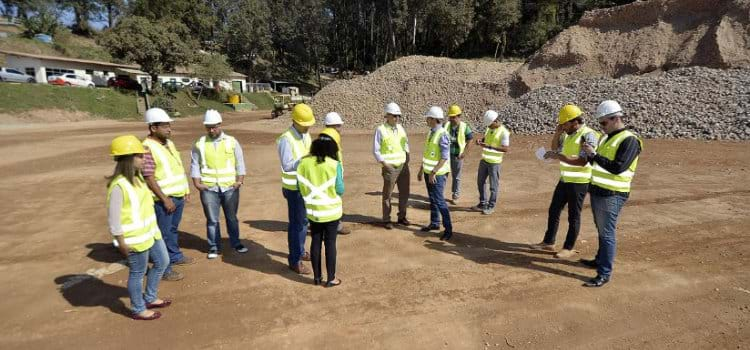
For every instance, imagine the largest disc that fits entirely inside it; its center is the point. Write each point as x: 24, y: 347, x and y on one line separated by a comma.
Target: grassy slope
x: 262, y: 100
x: 104, y: 103
x: 66, y: 44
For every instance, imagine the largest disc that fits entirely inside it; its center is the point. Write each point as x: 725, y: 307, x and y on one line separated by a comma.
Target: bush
x: 43, y: 23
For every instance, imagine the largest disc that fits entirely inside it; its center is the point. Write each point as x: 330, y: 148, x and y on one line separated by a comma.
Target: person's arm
x: 376, y: 150
x: 114, y: 210
x: 154, y: 186
x: 504, y: 143
x: 554, y: 144
x: 581, y: 159
x: 445, y: 154
x: 195, y: 169
x: 469, y: 136
x: 629, y: 149
x: 288, y: 163
x: 339, y: 179
x: 239, y: 167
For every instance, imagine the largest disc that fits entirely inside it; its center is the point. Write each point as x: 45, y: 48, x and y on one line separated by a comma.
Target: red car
x: 124, y: 83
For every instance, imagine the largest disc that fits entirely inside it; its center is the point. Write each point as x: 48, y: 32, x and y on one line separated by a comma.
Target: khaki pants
x: 398, y: 176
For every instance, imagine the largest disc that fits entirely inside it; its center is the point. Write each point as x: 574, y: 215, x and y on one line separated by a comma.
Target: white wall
x: 40, y: 67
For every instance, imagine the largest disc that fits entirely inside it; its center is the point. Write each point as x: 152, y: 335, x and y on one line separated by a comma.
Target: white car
x: 70, y: 80
x: 10, y: 74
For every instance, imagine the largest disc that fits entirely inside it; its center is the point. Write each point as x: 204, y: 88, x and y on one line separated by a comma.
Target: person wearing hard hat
x: 292, y: 145
x: 613, y: 163
x: 575, y: 175
x: 435, y: 166
x: 495, y: 143
x: 321, y: 183
x: 132, y: 223
x: 166, y: 178
x: 391, y: 150
x: 460, y: 135
x: 217, y: 168
x: 333, y: 124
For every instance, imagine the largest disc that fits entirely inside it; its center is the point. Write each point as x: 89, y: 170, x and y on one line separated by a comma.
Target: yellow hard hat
x: 334, y: 134
x: 302, y: 114
x: 124, y: 145
x: 568, y: 113
x: 454, y: 110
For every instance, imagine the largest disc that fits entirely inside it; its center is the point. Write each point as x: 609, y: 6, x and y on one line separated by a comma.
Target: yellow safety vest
x: 218, y: 164
x: 393, y: 144
x: 300, y: 148
x: 571, y: 146
x: 137, y: 216
x: 494, y: 137
x: 460, y: 135
x: 431, y: 155
x: 317, y: 185
x: 168, y: 170
x: 608, y: 149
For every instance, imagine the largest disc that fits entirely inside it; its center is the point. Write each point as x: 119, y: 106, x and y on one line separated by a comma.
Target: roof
x: 132, y: 71
x: 68, y: 59
x: 188, y: 71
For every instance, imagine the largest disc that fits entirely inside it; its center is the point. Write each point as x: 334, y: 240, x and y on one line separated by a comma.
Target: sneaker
x: 172, y: 276
x: 300, y: 269
x: 240, y: 249
x: 544, y: 246
x: 186, y: 260
x: 404, y: 222
x: 596, y: 282
x: 344, y: 230
x: 213, y: 254
x: 388, y: 225
x: 479, y: 207
x: 488, y: 211
x: 306, y: 256
x: 565, y: 253
x: 429, y: 228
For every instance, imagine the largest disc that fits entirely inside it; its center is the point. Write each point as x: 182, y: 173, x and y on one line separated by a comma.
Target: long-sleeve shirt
x: 444, y: 143
x: 628, y: 150
x: 286, y: 155
x: 379, y: 138
x: 114, y: 210
x: 589, y: 138
x: 239, y: 164
x: 339, y: 179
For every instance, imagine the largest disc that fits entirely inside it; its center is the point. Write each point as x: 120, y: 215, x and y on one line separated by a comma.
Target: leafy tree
x: 83, y: 10
x: 110, y: 10
x: 247, y: 41
x: 43, y: 23
x: 197, y: 16
x: 211, y: 67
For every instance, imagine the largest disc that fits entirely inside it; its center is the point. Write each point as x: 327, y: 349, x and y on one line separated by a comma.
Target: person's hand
x: 237, y: 185
x: 124, y: 249
x: 419, y: 175
x: 169, y: 205
x: 559, y: 129
x: 588, y: 149
x: 433, y: 178
x: 551, y: 155
x: 187, y: 197
x: 387, y: 167
x: 461, y: 156
x: 200, y: 186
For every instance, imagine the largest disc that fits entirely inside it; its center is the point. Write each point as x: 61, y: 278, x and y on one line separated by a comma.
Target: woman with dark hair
x: 321, y: 183
x: 132, y: 222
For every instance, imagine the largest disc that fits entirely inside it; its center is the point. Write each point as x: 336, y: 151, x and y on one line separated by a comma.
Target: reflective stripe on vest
x: 218, y: 164
x: 608, y: 149
x: 393, y: 144
x: 317, y: 185
x: 494, y: 138
x: 300, y: 148
x: 431, y: 155
x: 168, y: 170
x: 460, y: 135
x: 137, y: 216
x: 572, y: 147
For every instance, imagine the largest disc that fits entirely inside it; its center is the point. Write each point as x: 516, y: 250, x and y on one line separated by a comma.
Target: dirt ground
x: 680, y: 281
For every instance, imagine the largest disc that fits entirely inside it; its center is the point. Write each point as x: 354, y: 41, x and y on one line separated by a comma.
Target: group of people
x: 148, y: 188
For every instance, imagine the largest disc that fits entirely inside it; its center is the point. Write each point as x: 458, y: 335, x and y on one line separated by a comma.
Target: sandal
x: 334, y: 283
x: 153, y: 316
x: 164, y: 303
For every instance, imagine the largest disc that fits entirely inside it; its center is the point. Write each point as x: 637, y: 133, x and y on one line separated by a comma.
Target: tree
x: 83, y: 10
x: 247, y: 41
x: 157, y: 47
x: 110, y: 10
x: 211, y: 67
x: 197, y: 16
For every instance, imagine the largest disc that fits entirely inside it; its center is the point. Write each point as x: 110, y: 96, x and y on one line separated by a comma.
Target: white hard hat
x: 435, y: 112
x: 608, y: 108
x: 392, y: 108
x: 489, y: 117
x: 333, y: 118
x: 157, y: 115
x: 212, y: 117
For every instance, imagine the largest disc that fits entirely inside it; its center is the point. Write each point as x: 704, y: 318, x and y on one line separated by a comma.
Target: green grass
x: 65, y: 44
x: 262, y: 100
x: 104, y: 103
x: 187, y: 107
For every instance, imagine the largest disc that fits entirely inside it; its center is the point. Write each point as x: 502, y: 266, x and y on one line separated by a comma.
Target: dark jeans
x: 324, y: 232
x: 572, y: 195
x: 297, y: 230
x: 606, y: 211
x: 438, y: 207
x: 168, y: 225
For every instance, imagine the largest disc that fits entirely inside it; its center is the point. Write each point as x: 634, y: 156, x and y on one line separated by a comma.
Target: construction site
x: 680, y: 69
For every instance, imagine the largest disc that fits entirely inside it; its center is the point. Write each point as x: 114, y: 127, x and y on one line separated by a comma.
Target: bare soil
x: 681, y: 279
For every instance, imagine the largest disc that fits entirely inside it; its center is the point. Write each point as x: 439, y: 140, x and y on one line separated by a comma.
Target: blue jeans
x: 168, y: 225
x: 606, y: 211
x: 138, y: 263
x: 493, y: 172
x: 297, y: 230
x: 456, y: 167
x: 438, y: 207
x: 228, y: 200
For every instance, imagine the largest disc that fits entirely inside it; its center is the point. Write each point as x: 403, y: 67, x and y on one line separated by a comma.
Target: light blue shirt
x: 286, y: 154
x: 444, y: 143
x: 195, y: 161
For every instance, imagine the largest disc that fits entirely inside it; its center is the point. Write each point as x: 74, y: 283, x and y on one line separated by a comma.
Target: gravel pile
x: 694, y: 103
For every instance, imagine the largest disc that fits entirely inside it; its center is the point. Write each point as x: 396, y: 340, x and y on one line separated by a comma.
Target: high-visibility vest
x: 218, y: 164
x: 317, y: 185
x: 393, y: 144
x: 571, y: 146
x: 300, y: 148
x: 137, y: 216
x: 431, y: 155
x: 494, y: 137
x: 608, y: 149
x: 460, y: 136
x: 168, y: 170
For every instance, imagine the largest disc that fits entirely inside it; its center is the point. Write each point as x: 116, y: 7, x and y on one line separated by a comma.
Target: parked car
x: 124, y: 83
x: 10, y: 74
x: 70, y: 80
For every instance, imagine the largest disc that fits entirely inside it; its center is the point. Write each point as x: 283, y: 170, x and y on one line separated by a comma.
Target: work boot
x: 173, y: 275
x: 488, y: 211
x: 388, y: 225
x: 300, y: 269
x: 306, y: 256
x: 186, y: 260
x: 479, y: 207
x: 565, y: 253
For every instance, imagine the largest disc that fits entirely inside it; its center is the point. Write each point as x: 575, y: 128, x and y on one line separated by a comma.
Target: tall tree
x: 110, y: 10
x: 83, y: 10
x: 247, y: 39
